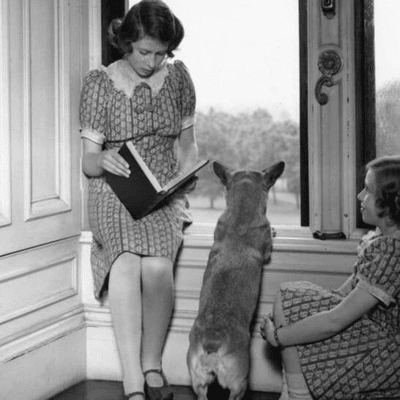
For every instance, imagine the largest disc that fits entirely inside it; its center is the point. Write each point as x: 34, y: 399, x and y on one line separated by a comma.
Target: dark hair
x: 387, y: 182
x: 151, y: 18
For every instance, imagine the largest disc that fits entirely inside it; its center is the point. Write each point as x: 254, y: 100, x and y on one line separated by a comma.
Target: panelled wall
x: 53, y: 332
x: 41, y: 313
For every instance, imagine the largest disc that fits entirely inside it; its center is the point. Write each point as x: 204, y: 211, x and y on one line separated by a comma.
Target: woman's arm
x: 187, y: 149
x: 95, y: 160
x: 325, y: 324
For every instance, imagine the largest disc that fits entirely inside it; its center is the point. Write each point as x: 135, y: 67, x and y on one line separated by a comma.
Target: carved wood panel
x: 40, y: 192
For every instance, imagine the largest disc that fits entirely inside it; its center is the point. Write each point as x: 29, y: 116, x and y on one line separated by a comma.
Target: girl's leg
x: 158, y: 302
x: 290, y: 358
x: 293, y: 376
x: 126, y: 311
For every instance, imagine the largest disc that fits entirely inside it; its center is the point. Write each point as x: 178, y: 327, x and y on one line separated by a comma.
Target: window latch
x: 329, y: 63
x: 329, y: 236
x: 328, y: 8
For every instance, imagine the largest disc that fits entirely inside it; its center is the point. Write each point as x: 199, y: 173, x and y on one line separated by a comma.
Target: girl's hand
x: 111, y: 161
x: 189, y: 186
x: 267, y: 330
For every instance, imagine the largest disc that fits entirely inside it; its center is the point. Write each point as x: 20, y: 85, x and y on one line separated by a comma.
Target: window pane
x: 387, y: 67
x: 243, y: 56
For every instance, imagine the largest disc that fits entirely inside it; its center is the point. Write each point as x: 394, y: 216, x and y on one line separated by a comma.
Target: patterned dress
x: 363, y: 361
x: 116, y: 106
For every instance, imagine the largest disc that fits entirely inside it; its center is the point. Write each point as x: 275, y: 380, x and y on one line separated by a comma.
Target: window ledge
x: 287, y: 239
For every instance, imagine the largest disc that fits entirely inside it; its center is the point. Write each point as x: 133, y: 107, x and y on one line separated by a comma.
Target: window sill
x: 287, y: 239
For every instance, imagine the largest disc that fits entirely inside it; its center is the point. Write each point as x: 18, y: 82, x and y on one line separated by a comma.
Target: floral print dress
x: 116, y: 106
x: 363, y: 361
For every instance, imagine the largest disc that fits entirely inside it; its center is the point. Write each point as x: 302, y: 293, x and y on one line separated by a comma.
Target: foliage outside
x: 388, y: 119
x: 247, y: 141
x: 253, y: 140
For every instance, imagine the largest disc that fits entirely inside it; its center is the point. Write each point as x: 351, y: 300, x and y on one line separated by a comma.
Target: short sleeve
x: 93, y: 106
x: 379, y: 269
x: 187, y: 95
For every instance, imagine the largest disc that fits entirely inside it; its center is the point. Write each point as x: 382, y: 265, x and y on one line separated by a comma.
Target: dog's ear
x: 223, y: 171
x: 271, y: 174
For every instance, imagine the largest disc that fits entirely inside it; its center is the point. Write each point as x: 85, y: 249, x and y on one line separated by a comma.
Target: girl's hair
x: 151, y: 18
x: 387, y: 182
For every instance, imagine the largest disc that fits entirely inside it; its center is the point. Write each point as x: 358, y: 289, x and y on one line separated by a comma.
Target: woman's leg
x: 293, y: 376
x: 158, y: 302
x: 126, y: 311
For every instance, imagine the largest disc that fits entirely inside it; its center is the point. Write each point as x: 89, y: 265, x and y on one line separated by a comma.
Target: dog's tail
x: 211, y: 345
x: 210, y: 363
x: 212, y: 341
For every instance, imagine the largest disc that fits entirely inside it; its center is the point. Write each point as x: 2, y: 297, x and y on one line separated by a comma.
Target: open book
x: 141, y: 193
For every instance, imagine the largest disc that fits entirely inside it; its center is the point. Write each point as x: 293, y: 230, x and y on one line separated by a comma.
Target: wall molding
x: 47, y: 363
x: 43, y: 333
x: 70, y: 290
x: 5, y: 132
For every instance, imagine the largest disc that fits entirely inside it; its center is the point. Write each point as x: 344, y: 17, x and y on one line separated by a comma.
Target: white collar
x: 126, y: 79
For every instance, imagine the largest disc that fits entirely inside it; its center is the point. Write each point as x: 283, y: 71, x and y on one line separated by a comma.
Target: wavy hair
x: 151, y: 18
x: 387, y: 182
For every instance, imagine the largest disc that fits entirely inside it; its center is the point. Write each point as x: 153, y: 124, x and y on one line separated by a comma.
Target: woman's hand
x: 111, y: 161
x: 267, y: 330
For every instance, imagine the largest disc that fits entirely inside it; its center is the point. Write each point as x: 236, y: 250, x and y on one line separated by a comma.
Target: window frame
x: 109, y: 11
x: 303, y: 73
x: 365, y: 90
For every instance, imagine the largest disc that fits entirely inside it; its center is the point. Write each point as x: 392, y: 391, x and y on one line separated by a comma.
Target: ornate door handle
x: 329, y: 63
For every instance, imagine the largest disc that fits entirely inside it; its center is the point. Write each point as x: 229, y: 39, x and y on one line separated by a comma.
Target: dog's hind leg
x: 200, y: 382
x: 238, y: 392
x: 201, y: 373
x: 201, y: 391
x: 233, y: 375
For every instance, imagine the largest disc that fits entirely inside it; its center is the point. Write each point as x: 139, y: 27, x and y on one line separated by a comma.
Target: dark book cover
x: 141, y: 193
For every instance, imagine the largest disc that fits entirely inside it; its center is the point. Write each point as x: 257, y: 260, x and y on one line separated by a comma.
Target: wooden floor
x: 111, y: 390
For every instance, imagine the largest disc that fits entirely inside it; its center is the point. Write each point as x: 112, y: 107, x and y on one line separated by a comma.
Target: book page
x: 180, y: 178
x: 144, y: 167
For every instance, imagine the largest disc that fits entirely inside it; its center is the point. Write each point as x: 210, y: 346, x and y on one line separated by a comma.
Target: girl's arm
x: 325, y: 324
x: 95, y: 160
x: 346, y: 288
x: 187, y: 149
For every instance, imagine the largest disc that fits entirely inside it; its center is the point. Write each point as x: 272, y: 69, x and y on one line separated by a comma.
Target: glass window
x: 377, y: 83
x: 247, y: 84
x: 387, y: 77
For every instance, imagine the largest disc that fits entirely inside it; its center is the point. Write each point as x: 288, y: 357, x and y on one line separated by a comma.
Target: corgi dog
x: 219, y: 340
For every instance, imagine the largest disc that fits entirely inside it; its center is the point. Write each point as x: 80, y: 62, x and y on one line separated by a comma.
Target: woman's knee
x: 157, y: 270
x: 126, y: 265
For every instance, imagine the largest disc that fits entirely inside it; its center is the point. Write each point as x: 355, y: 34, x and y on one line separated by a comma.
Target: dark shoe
x: 163, y: 392
x: 129, y: 395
